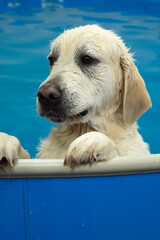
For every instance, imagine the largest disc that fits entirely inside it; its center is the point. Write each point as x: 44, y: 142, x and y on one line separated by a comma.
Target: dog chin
x: 81, y: 117
x: 77, y: 120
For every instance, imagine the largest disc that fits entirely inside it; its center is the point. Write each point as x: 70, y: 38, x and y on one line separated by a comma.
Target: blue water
x: 26, y: 29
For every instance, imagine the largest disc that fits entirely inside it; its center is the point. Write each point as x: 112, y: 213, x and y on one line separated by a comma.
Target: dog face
x: 86, y: 75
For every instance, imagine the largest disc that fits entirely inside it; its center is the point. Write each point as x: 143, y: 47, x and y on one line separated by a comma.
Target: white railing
x: 55, y: 168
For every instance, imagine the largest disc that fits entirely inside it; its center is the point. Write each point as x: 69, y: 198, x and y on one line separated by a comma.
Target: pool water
x: 26, y: 30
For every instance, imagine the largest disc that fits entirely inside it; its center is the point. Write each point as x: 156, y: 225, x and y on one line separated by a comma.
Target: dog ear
x: 136, y: 99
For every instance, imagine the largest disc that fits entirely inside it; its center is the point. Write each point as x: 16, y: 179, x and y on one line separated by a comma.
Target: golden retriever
x: 95, y: 93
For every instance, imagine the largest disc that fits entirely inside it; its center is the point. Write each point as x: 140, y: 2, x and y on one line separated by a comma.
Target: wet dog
x: 95, y: 93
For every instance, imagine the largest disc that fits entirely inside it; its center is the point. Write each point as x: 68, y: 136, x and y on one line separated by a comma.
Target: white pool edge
x: 55, y: 168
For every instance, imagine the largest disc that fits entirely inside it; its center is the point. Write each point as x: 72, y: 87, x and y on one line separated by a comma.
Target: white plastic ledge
x: 55, y: 168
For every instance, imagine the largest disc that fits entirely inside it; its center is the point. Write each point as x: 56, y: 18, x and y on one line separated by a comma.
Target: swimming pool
x: 119, y: 207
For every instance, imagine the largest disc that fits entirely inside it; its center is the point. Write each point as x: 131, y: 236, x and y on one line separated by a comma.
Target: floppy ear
x: 136, y: 99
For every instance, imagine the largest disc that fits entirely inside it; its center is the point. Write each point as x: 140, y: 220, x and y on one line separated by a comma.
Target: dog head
x: 91, y: 70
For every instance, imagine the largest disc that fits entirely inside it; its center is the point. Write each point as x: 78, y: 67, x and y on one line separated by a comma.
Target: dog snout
x: 49, y: 94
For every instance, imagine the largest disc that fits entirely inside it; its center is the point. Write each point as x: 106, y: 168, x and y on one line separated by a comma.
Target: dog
x: 95, y: 93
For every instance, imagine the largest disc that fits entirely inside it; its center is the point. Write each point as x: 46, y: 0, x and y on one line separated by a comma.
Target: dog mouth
x: 58, y: 117
x: 83, y: 113
x: 78, y: 117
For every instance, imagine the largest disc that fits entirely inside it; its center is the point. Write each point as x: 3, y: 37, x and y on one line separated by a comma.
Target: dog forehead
x: 77, y: 37
x: 89, y: 38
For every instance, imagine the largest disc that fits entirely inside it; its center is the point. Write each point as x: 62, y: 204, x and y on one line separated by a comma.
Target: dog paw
x: 10, y: 150
x: 89, y: 148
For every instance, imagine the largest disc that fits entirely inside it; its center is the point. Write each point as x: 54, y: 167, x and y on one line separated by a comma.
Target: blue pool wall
x: 97, y: 208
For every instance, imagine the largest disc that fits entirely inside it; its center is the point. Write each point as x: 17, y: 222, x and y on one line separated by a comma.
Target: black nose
x: 48, y: 94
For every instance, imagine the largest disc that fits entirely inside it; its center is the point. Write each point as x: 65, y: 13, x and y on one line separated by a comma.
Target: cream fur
x: 112, y: 91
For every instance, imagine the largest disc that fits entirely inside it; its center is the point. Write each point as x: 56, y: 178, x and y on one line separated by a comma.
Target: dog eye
x: 52, y: 60
x: 87, y: 60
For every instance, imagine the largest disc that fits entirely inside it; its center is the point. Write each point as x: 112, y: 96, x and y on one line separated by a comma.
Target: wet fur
x: 113, y: 91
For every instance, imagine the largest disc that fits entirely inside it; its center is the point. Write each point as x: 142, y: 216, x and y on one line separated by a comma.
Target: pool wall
x: 53, y: 205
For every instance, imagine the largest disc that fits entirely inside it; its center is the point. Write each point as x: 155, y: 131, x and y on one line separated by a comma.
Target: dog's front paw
x: 90, y: 147
x: 10, y: 149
